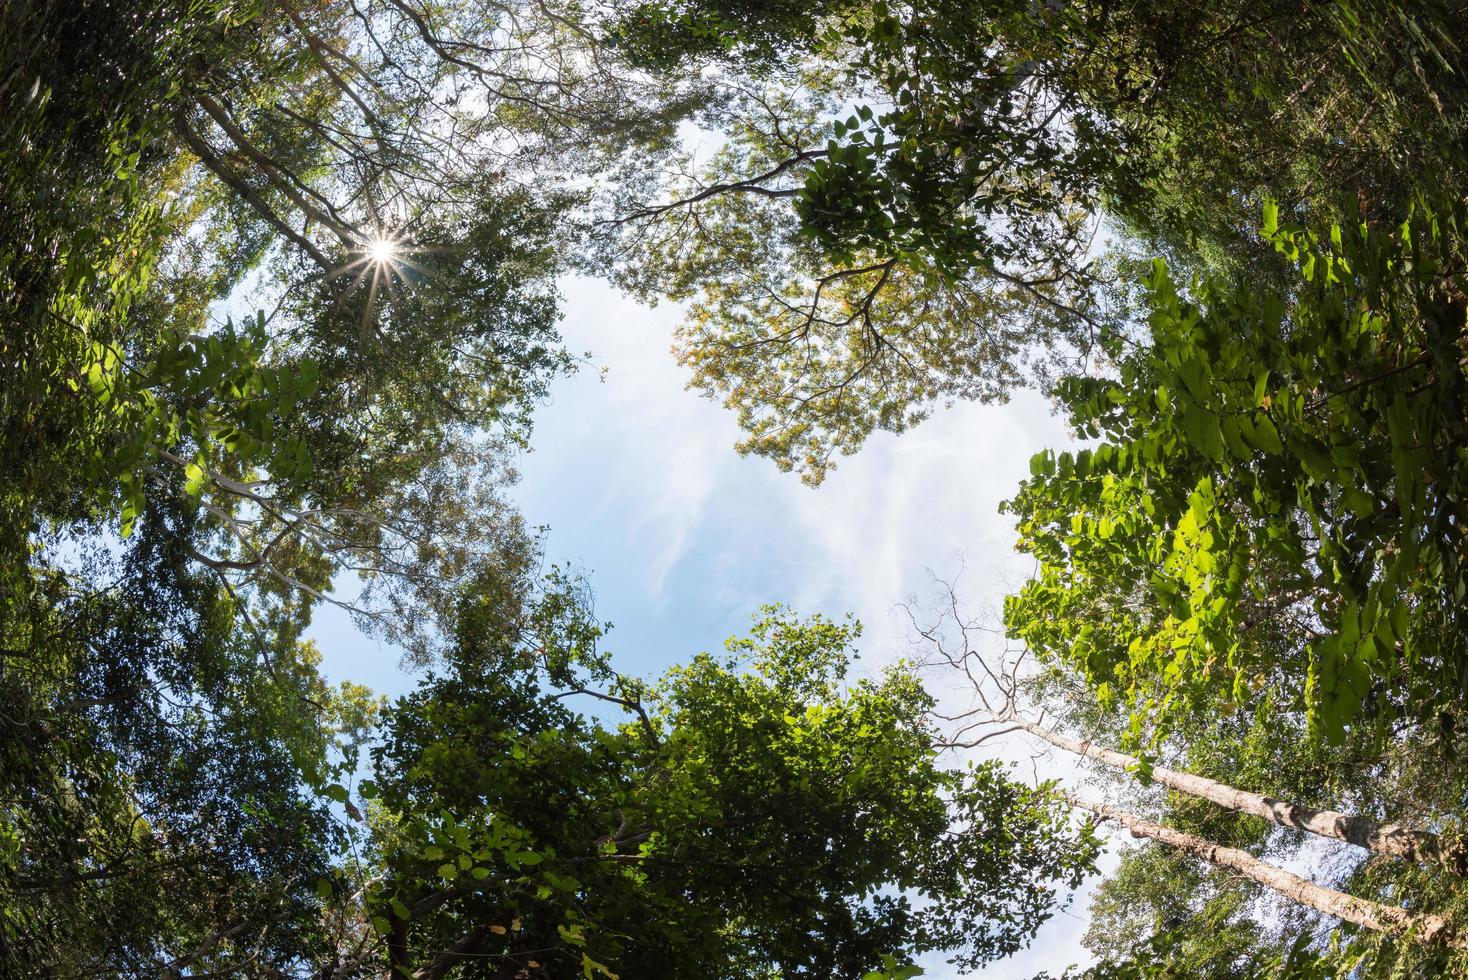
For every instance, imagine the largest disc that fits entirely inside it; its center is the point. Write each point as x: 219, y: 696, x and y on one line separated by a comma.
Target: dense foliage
x: 752, y: 816
x: 904, y: 209
x: 1294, y: 457
x: 180, y: 488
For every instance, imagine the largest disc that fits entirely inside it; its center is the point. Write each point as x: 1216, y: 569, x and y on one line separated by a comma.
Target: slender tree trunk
x: 1390, y: 839
x: 1431, y: 929
x: 200, y: 148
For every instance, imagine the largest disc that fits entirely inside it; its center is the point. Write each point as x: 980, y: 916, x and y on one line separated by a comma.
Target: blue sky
x: 681, y: 539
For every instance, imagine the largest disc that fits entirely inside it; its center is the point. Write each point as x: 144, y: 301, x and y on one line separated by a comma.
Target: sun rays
x: 382, y: 264
x: 382, y: 251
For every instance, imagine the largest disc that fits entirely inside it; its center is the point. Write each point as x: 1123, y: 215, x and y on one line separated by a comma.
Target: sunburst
x: 382, y: 251
x: 381, y: 263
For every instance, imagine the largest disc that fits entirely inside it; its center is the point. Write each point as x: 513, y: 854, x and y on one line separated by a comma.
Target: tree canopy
x: 748, y: 815
x: 1291, y: 457
x: 279, y: 298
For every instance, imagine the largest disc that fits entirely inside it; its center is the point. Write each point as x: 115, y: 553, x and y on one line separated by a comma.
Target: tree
x: 893, y: 220
x: 246, y: 152
x: 1199, y: 806
x: 390, y: 187
x: 157, y: 764
x: 1289, y: 459
x: 1195, y: 950
x: 178, y: 492
x: 1165, y: 912
x: 997, y: 712
x: 847, y: 273
x: 1430, y: 929
x: 751, y: 814
x: 1388, y: 839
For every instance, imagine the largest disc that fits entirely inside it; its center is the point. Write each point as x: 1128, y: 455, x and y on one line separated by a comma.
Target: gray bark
x: 1429, y: 929
x: 1390, y: 839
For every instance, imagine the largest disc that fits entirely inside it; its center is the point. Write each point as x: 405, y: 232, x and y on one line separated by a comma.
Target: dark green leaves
x: 747, y: 813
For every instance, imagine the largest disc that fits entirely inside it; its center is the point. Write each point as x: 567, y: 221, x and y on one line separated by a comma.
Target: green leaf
x: 1195, y: 378
x: 590, y: 966
x: 1203, y: 431
x: 1400, y: 620
x: 1359, y: 502
x: 194, y: 477
x: 1234, y: 439
x: 1265, y: 436
x: 128, y: 517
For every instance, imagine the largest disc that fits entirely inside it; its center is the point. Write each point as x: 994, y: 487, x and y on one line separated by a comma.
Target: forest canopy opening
x: 281, y: 294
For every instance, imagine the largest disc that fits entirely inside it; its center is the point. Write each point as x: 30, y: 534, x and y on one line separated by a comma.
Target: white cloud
x: 655, y: 462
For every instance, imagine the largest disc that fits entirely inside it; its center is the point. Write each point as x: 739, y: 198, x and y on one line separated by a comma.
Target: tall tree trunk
x: 1390, y: 839
x: 1431, y: 929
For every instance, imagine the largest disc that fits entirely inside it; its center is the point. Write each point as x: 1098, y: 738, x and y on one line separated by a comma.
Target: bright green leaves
x: 1271, y: 218
x: 212, y: 395
x: 433, y: 851
x: 896, y: 227
x: 590, y: 968
x: 1203, y: 429
x: 805, y: 658
x: 893, y: 969
x: 1276, y: 495
x: 132, y: 502
x: 1339, y: 678
x: 194, y: 477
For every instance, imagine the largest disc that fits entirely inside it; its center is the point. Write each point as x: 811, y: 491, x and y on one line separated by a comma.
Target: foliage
x: 1294, y: 458
x: 893, y: 220
x: 276, y: 305
x: 154, y: 761
x: 1410, y: 775
x: 753, y: 816
x: 180, y: 486
x: 858, y: 248
x: 1190, y: 951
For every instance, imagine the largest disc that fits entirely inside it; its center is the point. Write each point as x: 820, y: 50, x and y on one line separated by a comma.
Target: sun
x: 382, y: 265
x: 382, y: 251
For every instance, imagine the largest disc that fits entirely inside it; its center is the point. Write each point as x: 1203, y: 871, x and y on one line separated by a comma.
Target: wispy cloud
x: 682, y: 539
x: 653, y: 464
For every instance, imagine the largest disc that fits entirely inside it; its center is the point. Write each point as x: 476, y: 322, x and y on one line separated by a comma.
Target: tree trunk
x: 1390, y: 839
x: 454, y: 956
x: 1431, y: 929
